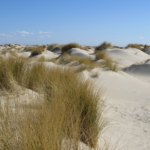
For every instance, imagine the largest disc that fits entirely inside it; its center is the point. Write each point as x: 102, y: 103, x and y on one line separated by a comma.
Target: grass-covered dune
x: 61, y: 97
x: 69, y: 111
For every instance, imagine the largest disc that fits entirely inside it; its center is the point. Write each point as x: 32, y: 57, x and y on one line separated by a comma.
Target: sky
x: 86, y: 22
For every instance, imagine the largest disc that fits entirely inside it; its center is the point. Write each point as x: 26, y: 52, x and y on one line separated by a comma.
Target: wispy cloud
x: 42, y: 32
x: 24, y: 33
x: 5, y: 35
x: 48, y: 35
x: 141, y: 37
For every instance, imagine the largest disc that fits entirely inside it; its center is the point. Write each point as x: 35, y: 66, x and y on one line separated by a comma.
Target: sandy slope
x: 127, y: 57
x: 127, y: 100
x: 141, y: 71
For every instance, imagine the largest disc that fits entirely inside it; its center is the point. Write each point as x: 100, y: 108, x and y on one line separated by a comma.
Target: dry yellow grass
x: 107, y: 62
x: 69, y: 46
x: 100, y: 55
x: 10, y: 71
x: 103, y: 46
x: 70, y: 112
x: 138, y: 46
x: 85, y: 63
x: 35, y: 50
x: 54, y: 46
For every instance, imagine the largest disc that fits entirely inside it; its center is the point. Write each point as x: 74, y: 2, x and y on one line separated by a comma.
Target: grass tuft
x: 103, y: 46
x: 137, y: 46
x: 110, y: 65
x: 69, y: 46
x: 69, y: 112
x: 35, y: 50
x: 85, y: 63
x: 10, y: 71
x: 100, y: 55
x: 107, y: 62
x: 54, y: 46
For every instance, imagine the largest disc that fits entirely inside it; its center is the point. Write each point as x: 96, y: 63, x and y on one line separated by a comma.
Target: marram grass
x: 69, y: 112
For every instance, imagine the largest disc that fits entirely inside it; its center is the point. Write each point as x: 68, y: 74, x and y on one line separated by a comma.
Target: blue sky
x: 87, y: 22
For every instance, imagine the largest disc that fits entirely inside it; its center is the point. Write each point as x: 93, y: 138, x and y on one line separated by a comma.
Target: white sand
x: 127, y: 100
x: 21, y: 96
x: 47, y: 55
x: 81, y: 53
x: 127, y: 57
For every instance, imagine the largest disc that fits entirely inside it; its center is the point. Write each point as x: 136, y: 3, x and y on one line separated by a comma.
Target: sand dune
x: 141, y: 71
x: 126, y: 95
x: 81, y: 53
x: 127, y: 99
x: 127, y: 57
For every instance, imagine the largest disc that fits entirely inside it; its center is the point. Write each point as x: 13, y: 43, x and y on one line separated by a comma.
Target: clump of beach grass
x: 32, y: 77
x: 70, y: 111
x: 137, y: 46
x: 103, y: 46
x: 35, y: 50
x: 65, y: 84
x: 69, y: 46
x: 109, y: 64
x: 85, y: 63
x: 100, y: 55
x: 141, y: 47
x: 54, y: 46
x: 115, y: 46
x: 10, y: 71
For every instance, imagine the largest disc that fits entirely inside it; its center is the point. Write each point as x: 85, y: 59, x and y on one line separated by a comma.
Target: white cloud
x: 141, y: 37
x: 48, y: 35
x: 41, y: 32
x: 24, y: 32
x: 5, y: 35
